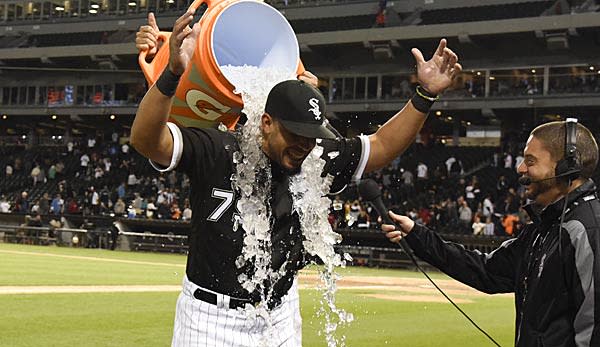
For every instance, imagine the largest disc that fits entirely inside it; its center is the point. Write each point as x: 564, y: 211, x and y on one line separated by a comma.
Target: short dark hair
x: 552, y: 135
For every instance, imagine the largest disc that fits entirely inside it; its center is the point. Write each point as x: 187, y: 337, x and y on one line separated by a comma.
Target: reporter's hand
x: 406, y: 225
x: 146, y: 39
x: 182, y: 42
x: 436, y: 74
x: 309, y: 78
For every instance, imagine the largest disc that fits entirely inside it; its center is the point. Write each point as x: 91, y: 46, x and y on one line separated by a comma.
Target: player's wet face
x: 286, y: 148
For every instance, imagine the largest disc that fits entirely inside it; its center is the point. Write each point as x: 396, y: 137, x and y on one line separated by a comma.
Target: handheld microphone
x: 369, y: 190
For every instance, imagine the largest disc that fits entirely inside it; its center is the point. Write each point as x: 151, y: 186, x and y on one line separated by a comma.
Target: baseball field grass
x: 53, y: 296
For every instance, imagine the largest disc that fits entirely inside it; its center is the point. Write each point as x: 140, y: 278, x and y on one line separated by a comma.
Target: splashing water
x: 309, y: 191
x: 252, y: 178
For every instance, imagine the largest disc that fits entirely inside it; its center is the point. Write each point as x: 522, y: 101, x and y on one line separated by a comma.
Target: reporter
x: 552, y: 268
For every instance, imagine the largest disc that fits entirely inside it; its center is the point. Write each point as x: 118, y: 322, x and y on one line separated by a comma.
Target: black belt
x: 234, y: 303
x: 211, y: 298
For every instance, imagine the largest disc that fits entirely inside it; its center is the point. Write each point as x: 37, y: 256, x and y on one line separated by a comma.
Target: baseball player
x: 209, y: 306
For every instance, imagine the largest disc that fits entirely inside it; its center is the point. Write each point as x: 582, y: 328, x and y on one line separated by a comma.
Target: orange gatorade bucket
x: 233, y: 32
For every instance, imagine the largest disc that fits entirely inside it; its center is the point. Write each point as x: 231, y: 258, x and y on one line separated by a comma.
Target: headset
x: 569, y: 167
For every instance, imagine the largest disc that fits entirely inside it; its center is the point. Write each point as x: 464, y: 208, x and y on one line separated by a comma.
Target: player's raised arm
x: 394, y: 137
x: 150, y: 135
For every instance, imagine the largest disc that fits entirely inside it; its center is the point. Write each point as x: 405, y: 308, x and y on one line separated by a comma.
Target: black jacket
x: 557, y: 298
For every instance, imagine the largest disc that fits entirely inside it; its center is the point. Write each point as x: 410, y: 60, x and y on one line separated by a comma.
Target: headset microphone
x: 525, y: 181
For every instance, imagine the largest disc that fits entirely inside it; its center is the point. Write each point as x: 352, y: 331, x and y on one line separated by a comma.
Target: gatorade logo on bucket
x: 205, y: 106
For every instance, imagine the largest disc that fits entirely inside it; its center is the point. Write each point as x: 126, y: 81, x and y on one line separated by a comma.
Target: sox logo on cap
x: 315, y: 108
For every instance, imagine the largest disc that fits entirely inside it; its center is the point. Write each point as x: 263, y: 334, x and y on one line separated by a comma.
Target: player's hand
x: 146, y: 39
x: 404, y: 223
x: 309, y: 78
x: 437, y: 74
x: 182, y: 42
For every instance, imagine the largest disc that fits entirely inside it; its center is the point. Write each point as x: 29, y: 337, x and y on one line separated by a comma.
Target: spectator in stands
x: 489, y: 227
x: 451, y: 160
x: 163, y: 212
x: 60, y: 168
x: 470, y: 191
x: 150, y: 209
x: 119, y: 207
x: 508, y: 161
x: 495, y: 159
x: 508, y: 222
x: 8, y: 171
x: 363, y: 220
x: 56, y: 206
x: 72, y: 207
x: 355, y: 209
x: 501, y: 187
x: 137, y: 203
x: 408, y: 181
x: 35, y: 221
x: 451, y: 211
x: 45, y: 204
x: 465, y: 215
x: 35, y: 208
x: 121, y: 191
x: 105, y: 203
x: 95, y: 201
x: 456, y: 169
x: 52, y: 172
x: 519, y: 159
x: 35, y: 174
x: 114, y: 234
x: 84, y: 161
x: 422, y: 172
x: 187, y: 210
x: 98, y: 172
x: 513, y: 202
x: 175, y: 212
x: 487, y: 208
x: 22, y: 203
x: 380, y: 19
x: 132, y: 180
x: 478, y: 226
x: 4, y: 205
x: 337, y: 209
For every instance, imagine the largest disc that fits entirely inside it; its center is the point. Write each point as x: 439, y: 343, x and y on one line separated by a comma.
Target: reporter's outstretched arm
x: 150, y: 135
x: 394, y: 137
x: 488, y: 272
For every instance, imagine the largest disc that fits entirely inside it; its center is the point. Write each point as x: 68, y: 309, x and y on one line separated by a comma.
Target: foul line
x: 91, y: 258
x: 11, y: 290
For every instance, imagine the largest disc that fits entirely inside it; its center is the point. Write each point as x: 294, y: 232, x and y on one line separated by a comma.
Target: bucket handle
x: 150, y: 69
x: 197, y: 4
x: 300, y: 70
